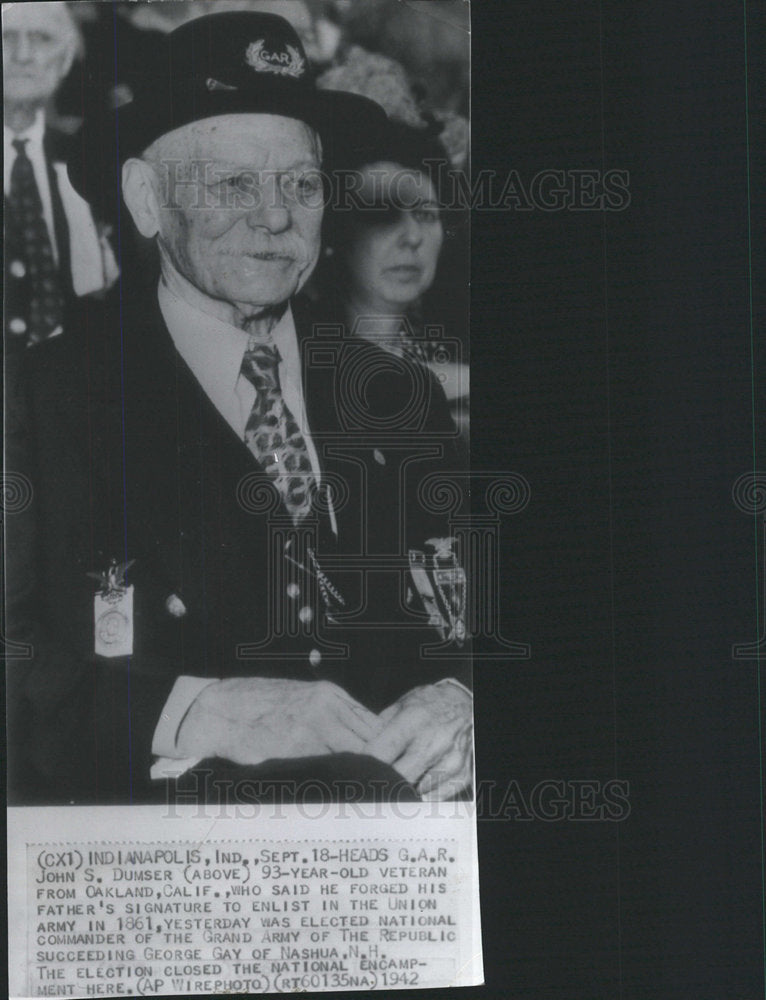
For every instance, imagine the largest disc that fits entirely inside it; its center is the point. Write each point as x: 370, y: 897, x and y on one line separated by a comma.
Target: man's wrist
x: 454, y: 681
x: 185, y: 692
x: 195, y: 733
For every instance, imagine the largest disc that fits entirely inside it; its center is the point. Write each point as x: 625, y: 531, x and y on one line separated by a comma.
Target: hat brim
x: 347, y: 124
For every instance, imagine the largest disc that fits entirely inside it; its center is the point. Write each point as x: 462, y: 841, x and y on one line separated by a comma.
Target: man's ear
x: 66, y: 62
x: 73, y: 48
x: 139, y: 191
x: 69, y: 35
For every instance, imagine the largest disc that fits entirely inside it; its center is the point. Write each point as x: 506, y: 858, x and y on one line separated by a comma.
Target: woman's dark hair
x: 413, y: 148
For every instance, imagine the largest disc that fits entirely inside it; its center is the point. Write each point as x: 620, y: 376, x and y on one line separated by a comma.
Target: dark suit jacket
x: 90, y: 310
x: 130, y: 460
x: 16, y: 292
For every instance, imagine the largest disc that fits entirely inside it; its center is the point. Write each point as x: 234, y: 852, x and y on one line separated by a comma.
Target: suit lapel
x: 53, y: 151
x: 319, y: 383
x: 183, y: 462
x: 189, y: 477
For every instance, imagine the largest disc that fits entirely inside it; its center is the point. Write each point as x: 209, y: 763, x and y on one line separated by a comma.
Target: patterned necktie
x: 46, y: 302
x: 272, y: 434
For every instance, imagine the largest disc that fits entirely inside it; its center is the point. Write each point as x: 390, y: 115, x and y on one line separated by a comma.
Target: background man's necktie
x: 46, y: 302
x: 272, y: 434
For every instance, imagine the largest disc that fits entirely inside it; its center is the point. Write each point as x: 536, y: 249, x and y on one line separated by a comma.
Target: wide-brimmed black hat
x: 220, y: 64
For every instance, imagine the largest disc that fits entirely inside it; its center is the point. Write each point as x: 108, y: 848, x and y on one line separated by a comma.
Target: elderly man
x: 54, y: 252
x: 244, y: 489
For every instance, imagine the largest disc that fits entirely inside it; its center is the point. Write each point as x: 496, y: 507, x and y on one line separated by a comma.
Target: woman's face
x: 395, y: 238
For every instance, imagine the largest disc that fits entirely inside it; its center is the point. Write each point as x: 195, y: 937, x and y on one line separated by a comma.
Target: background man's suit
x: 93, y: 269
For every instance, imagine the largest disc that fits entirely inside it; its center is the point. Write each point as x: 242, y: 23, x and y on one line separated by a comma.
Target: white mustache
x: 269, y: 253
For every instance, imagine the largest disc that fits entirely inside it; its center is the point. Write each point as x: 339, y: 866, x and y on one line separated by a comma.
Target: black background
x: 611, y: 367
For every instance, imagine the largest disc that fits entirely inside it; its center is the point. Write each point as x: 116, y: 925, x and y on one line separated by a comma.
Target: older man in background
x: 54, y: 252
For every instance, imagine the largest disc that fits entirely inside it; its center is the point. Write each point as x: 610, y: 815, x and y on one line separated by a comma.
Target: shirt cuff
x: 185, y: 692
x: 453, y: 680
x: 172, y: 767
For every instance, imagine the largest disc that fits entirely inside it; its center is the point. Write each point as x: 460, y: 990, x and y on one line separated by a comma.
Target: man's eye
x: 236, y: 182
x: 426, y: 215
x: 40, y: 37
x: 305, y: 186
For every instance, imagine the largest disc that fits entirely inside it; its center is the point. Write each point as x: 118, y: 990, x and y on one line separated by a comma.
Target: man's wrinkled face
x: 241, y: 202
x: 38, y: 45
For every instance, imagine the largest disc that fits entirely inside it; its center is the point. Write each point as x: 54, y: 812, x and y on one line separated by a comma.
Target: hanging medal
x: 113, y: 612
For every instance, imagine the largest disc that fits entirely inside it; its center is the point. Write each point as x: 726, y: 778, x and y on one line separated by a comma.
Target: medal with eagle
x: 113, y: 611
x: 440, y: 582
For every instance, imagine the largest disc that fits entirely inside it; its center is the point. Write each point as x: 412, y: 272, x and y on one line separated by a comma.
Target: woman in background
x: 384, y: 237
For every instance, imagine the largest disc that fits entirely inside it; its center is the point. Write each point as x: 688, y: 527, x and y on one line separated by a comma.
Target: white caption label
x: 262, y: 916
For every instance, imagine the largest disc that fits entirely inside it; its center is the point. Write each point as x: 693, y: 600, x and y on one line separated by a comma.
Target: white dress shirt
x: 213, y: 350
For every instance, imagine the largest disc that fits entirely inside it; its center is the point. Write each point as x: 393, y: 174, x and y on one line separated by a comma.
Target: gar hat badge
x: 289, y: 63
x: 440, y: 581
x: 113, y: 611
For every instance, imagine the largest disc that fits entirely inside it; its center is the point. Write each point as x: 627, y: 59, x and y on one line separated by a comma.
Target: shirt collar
x: 212, y: 348
x: 34, y: 134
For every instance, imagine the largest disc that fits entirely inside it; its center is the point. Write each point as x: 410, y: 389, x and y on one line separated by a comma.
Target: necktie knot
x: 260, y: 364
x: 265, y: 349
x: 20, y: 145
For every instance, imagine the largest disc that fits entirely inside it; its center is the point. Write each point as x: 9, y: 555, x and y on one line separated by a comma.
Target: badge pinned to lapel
x: 113, y: 611
x: 175, y: 606
x: 441, y: 584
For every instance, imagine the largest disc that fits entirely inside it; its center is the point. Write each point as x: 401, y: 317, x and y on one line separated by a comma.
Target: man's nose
x: 271, y: 210
x: 411, y: 232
